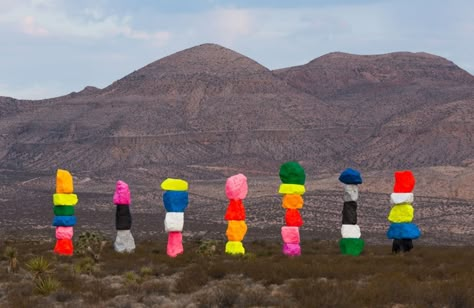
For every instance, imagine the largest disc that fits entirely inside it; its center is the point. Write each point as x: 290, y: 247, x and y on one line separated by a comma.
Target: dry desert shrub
x: 192, y: 279
x: 321, y: 293
x: 235, y: 291
x: 157, y: 287
x: 21, y: 294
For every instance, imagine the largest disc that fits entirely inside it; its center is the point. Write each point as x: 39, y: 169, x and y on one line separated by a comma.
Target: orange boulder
x: 292, y: 201
x: 236, y: 230
x: 64, y: 183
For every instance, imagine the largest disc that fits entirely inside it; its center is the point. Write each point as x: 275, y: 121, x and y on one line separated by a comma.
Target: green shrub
x: 146, y: 271
x: 85, y: 265
x: 131, y: 277
x: 207, y: 248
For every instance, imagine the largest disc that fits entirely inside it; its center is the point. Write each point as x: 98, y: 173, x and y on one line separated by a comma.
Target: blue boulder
x: 403, y: 231
x: 175, y: 201
x: 350, y: 176
x: 64, y: 221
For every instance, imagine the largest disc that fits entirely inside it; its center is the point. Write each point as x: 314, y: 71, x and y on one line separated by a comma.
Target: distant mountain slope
x: 208, y: 111
x: 339, y: 73
x: 217, y: 68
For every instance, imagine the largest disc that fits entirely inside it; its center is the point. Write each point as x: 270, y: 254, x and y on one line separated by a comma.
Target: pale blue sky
x: 53, y: 47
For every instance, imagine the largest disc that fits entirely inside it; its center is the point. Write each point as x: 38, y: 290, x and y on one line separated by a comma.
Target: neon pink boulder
x: 290, y: 235
x: 292, y: 250
x: 64, y: 233
x: 236, y: 187
x: 175, y: 244
x: 122, y: 194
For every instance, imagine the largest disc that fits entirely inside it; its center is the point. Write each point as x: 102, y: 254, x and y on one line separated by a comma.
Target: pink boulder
x: 290, y: 235
x: 292, y: 250
x: 236, y: 187
x: 175, y: 244
x: 122, y: 194
x: 64, y: 233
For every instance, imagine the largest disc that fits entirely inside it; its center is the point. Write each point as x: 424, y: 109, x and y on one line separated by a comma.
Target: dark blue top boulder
x: 350, y: 176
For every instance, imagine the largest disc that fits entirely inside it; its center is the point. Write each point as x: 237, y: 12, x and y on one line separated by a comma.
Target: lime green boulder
x: 351, y: 246
x: 401, y: 213
x: 291, y: 189
x: 234, y: 248
x: 292, y: 173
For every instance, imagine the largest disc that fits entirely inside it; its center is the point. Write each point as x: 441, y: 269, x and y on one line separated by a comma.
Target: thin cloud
x: 49, y: 18
x: 31, y: 27
x: 232, y: 24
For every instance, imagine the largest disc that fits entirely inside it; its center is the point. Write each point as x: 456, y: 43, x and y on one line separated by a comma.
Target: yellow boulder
x: 292, y: 189
x: 174, y: 184
x: 401, y: 213
x: 236, y: 230
x: 234, y: 248
x: 65, y: 199
x: 64, y: 182
x: 292, y: 202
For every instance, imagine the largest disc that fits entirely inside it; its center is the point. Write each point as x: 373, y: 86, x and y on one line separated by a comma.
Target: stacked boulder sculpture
x: 64, y: 215
x: 293, y: 178
x: 401, y: 229
x: 236, y: 190
x: 124, y: 241
x: 350, y: 243
x: 175, y: 200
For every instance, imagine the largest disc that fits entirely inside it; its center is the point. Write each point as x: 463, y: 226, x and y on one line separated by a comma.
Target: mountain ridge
x: 206, y: 48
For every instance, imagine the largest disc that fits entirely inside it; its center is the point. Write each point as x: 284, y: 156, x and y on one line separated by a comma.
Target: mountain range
x: 208, y: 111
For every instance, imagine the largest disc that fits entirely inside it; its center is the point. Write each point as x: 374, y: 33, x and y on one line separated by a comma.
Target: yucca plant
x: 38, y: 266
x: 46, y: 285
x: 11, y: 254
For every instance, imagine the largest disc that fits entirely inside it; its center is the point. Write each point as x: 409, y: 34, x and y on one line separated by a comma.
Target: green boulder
x: 351, y: 246
x: 63, y: 210
x: 292, y: 173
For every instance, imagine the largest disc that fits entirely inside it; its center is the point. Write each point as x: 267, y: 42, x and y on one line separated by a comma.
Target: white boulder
x: 399, y: 198
x: 174, y: 222
x: 350, y: 231
x: 351, y: 192
x: 124, y: 241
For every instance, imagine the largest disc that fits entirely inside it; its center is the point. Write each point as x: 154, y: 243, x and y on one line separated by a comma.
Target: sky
x: 50, y: 48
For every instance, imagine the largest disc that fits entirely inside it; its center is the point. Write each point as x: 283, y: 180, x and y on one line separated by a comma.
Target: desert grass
x: 206, y: 277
